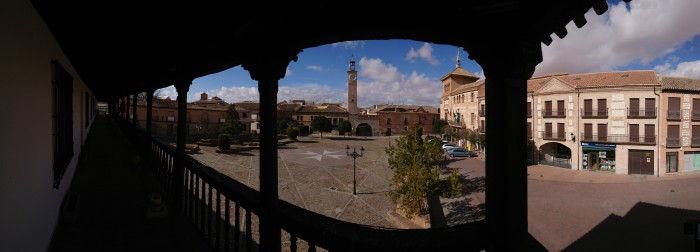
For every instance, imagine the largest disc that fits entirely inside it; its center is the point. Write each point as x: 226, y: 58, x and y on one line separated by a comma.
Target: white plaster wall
x: 30, y: 204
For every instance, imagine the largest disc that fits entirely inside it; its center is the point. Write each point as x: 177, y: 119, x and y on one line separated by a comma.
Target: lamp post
x: 354, y: 156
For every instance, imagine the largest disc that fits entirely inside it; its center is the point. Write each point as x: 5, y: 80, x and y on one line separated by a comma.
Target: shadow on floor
x: 646, y: 227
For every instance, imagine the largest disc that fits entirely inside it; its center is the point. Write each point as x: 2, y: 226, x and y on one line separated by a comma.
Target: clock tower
x: 352, y: 90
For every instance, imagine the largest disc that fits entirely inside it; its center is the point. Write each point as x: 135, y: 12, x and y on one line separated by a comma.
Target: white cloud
x: 651, y: 29
x: 168, y: 91
x: 288, y: 72
x: 315, y: 68
x: 385, y: 84
x: 425, y: 53
x: 480, y: 74
x: 236, y: 94
x: 688, y: 69
x: 312, y: 92
x: 350, y: 44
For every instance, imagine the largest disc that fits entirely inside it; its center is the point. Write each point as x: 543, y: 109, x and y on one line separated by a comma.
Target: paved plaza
x: 568, y: 210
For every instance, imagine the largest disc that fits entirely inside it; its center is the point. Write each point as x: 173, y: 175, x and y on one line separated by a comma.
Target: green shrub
x: 224, y: 141
x: 292, y: 133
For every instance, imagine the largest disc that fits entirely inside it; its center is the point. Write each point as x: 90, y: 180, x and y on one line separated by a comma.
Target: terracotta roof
x: 217, y: 108
x: 252, y: 106
x: 467, y: 87
x: 459, y: 72
x: 406, y: 108
x: 597, y: 80
x: 679, y: 84
x: 288, y: 107
x: 322, y: 109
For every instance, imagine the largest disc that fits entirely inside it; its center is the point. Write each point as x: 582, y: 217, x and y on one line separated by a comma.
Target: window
x: 529, y: 109
x: 245, y: 115
x: 405, y: 128
x: 388, y: 121
x: 472, y: 95
x: 205, y: 117
x: 634, y: 133
x: 548, y: 108
x: 587, y: 107
x: 405, y: 120
x: 62, y: 87
x: 588, y: 131
x: 696, y: 110
x: 603, y: 107
x: 674, y: 108
x: 560, y: 108
x: 672, y: 140
x: 602, y: 132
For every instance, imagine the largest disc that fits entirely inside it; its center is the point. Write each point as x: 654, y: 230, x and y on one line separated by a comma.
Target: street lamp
x: 354, y: 156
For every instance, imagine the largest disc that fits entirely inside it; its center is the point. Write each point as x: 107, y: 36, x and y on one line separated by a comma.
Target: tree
x: 282, y: 126
x: 344, y: 126
x: 416, y: 173
x: 232, y: 125
x: 292, y: 133
x: 321, y: 123
x: 439, y: 125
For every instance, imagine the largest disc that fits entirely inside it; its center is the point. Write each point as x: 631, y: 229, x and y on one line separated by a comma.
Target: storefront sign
x: 598, y: 146
x: 648, y: 160
x: 601, y: 154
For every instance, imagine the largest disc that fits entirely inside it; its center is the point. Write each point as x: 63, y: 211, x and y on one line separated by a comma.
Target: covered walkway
x: 110, y: 189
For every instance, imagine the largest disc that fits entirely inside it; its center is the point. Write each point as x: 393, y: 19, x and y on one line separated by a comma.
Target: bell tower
x: 352, y: 90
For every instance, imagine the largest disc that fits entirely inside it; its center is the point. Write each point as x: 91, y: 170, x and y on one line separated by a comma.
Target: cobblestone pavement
x: 566, y: 209
x: 316, y: 174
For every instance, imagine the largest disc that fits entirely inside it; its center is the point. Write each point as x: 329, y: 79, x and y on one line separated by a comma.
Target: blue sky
x: 645, y: 34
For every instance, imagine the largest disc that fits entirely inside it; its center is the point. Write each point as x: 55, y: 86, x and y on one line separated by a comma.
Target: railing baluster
x: 218, y: 219
x: 186, y: 196
x: 196, y: 200
x: 248, y: 232
x: 227, y: 223
x: 237, y: 229
x: 293, y: 242
x: 190, y: 202
x: 202, y: 210
x: 209, y: 213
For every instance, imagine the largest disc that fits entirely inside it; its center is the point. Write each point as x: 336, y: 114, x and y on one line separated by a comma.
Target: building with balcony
x: 69, y: 55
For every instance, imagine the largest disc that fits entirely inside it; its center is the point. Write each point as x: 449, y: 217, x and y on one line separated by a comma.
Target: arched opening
x: 363, y: 129
x: 555, y: 154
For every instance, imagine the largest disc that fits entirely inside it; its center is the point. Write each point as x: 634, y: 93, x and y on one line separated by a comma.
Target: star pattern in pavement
x: 319, y: 156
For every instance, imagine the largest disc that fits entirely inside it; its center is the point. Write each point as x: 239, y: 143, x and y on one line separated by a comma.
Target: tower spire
x: 352, y: 63
x: 459, y: 63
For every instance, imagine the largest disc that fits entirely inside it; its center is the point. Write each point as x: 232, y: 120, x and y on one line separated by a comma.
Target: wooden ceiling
x: 125, y: 46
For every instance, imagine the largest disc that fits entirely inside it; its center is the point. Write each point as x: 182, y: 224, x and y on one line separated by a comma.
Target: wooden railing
x: 205, y: 191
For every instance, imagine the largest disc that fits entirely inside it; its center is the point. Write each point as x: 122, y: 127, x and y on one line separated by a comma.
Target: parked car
x: 460, y: 152
x: 431, y: 138
x: 448, y: 146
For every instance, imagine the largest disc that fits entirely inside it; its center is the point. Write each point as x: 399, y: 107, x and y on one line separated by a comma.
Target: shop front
x: 598, y: 156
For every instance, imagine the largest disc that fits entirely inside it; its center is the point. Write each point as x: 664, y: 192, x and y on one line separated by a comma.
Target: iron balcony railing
x: 641, y: 113
x: 674, y: 115
x: 553, y: 113
x: 226, y: 212
x: 695, y: 142
x: 673, y: 142
x: 558, y: 136
x: 696, y: 116
x: 594, y: 113
x: 622, y: 139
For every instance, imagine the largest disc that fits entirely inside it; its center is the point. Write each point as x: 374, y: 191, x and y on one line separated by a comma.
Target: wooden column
x: 149, y: 111
x: 507, y: 68
x: 179, y: 167
x: 135, y: 103
x: 267, y: 68
x: 126, y: 108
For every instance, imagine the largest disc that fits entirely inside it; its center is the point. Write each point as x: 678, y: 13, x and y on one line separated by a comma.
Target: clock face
x: 352, y: 77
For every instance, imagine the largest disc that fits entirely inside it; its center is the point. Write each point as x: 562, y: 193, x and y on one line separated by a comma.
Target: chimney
x: 203, y: 97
